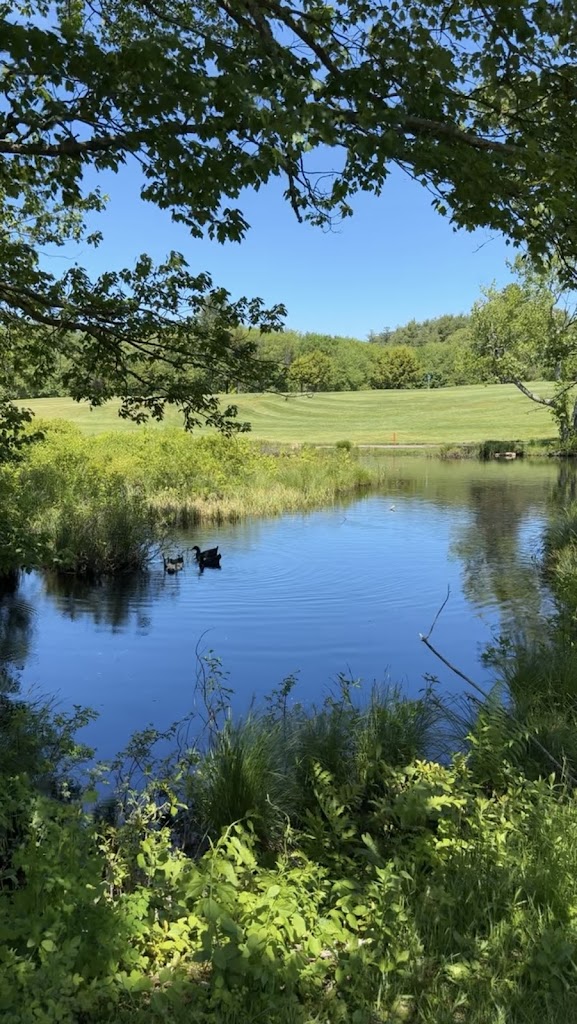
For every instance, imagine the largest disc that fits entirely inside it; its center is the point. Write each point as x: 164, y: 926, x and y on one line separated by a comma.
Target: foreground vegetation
x: 97, y: 505
x: 444, y: 416
x: 295, y: 867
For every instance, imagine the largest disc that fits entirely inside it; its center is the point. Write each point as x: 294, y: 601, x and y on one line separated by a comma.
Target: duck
x: 209, y: 560
x: 172, y: 565
x: 203, y: 556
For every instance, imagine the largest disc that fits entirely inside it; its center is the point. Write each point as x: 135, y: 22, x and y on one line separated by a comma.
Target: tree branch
x: 97, y: 144
x: 549, y: 402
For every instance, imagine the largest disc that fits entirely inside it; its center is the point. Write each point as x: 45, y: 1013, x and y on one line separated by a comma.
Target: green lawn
x: 478, y: 413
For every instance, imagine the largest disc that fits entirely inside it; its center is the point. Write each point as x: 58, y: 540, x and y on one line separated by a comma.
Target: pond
x: 345, y: 589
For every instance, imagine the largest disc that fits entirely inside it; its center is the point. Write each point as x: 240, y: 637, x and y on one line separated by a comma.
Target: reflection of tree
x: 113, y: 601
x: 496, y: 567
x: 16, y: 627
x: 565, y: 490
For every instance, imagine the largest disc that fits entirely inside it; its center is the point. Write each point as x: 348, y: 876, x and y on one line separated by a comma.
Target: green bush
x: 489, y: 449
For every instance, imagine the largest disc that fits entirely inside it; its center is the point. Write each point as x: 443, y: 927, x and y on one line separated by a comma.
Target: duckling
x: 172, y: 565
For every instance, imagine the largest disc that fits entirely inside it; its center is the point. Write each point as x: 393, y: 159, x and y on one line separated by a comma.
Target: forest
x: 433, y: 353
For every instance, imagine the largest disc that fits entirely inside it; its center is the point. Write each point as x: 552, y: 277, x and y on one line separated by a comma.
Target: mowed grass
x: 449, y: 415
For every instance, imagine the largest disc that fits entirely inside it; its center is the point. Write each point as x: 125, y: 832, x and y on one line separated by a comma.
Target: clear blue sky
x: 395, y: 259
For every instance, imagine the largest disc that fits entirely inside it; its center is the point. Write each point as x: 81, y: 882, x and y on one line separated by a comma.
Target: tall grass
x: 267, y: 766
x: 560, y: 557
x: 243, y: 774
x: 561, y: 531
x: 108, y: 528
x: 215, y: 479
x: 97, y: 505
x: 89, y: 518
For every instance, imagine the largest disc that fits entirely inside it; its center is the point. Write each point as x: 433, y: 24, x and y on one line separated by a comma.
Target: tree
x: 396, y: 367
x: 476, y: 102
x: 313, y: 371
x: 524, y: 330
x: 380, y: 337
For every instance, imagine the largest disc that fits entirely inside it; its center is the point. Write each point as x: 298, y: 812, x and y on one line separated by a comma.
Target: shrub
x: 489, y: 449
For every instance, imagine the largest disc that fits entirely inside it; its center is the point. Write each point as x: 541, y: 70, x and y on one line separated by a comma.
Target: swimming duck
x: 172, y: 565
x: 202, y: 556
x: 209, y: 560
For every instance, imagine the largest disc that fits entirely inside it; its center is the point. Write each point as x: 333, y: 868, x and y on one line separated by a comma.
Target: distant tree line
x: 433, y: 353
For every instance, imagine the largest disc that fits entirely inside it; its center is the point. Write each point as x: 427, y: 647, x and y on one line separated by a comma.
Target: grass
x: 449, y: 415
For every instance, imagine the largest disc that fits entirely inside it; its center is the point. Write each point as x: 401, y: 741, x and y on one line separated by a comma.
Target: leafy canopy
x: 396, y: 367
x: 207, y: 99
x: 312, y: 370
x: 530, y: 324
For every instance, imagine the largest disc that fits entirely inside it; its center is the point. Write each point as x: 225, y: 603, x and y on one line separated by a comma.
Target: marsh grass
x: 99, y: 505
x: 109, y: 528
x: 561, y: 531
x: 560, y: 558
x: 535, y: 698
x: 214, y: 479
x: 244, y: 775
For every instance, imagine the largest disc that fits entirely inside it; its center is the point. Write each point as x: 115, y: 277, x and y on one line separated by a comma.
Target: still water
x: 343, y: 589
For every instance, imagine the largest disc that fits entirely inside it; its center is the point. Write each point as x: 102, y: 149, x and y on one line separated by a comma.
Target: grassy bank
x: 445, y: 416
x: 99, y: 504
x: 295, y: 868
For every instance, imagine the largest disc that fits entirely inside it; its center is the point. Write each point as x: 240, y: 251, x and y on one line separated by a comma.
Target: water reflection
x: 498, y: 549
x: 16, y: 635
x: 16, y: 625
x: 565, y: 490
x: 114, y: 603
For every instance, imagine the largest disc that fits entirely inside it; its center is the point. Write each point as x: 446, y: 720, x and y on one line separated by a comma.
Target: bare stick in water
x: 479, y: 689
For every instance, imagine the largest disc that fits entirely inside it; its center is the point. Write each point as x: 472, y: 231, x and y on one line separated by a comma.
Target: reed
x: 561, y: 532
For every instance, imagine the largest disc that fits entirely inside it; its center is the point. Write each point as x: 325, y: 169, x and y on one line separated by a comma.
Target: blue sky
x: 395, y: 259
